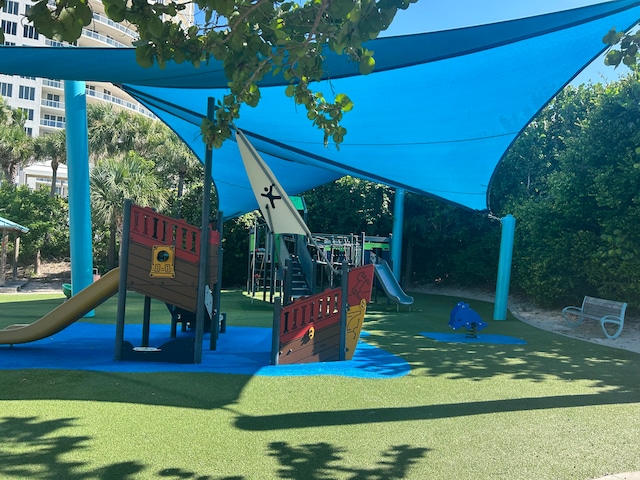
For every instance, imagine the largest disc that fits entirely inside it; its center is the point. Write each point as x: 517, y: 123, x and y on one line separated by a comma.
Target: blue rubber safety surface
x: 241, y: 350
x: 481, y: 338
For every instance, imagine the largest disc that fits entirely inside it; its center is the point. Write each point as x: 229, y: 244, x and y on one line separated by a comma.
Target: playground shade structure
x: 64, y: 315
x: 434, y: 118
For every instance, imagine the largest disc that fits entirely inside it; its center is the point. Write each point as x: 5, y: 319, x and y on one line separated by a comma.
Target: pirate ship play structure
x: 323, y: 327
x: 162, y: 259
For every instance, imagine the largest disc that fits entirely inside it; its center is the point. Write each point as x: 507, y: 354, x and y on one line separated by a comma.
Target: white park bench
x: 610, y: 314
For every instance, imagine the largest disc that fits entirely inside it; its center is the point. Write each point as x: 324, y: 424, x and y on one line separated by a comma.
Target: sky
x: 426, y: 15
x: 431, y: 15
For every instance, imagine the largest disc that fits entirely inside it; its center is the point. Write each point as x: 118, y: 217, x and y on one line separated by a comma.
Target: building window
x: 29, y: 31
x: 28, y: 112
x: 11, y: 7
x: 27, y: 93
x: 9, y: 43
x: 28, y: 131
x: 53, y: 121
x: 6, y: 89
x: 52, y: 100
x: 9, y: 28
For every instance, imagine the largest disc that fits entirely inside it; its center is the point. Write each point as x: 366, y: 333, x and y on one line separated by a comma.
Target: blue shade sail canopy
x: 434, y: 118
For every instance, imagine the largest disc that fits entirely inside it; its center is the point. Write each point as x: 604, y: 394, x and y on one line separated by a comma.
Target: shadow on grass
x: 545, y: 354
x: 33, y: 448
x: 319, y: 461
x: 429, y: 412
x: 175, y: 389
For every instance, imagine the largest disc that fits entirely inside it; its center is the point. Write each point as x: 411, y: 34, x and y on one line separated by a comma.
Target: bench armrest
x: 574, y: 310
x: 607, y: 319
x: 573, y: 316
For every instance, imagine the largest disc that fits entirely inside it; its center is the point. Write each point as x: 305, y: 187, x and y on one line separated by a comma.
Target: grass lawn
x: 553, y: 408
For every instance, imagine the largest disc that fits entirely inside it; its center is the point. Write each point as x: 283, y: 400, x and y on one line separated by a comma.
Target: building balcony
x: 54, y: 124
x: 120, y: 102
x: 91, y: 38
x: 108, y: 22
x: 52, y: 83
x: 53, y: 43
x: 52, y: 104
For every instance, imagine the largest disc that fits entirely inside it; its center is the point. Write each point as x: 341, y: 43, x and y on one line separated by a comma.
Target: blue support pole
x: 398, y: 223
x: 79, y: 202
x: 504, y: 267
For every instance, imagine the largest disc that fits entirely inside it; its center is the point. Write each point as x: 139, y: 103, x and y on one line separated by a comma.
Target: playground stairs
x: 299, y: 285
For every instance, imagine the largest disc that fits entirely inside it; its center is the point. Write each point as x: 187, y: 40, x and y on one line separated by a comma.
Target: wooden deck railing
x: 316, y: 310
x: 149, y: 228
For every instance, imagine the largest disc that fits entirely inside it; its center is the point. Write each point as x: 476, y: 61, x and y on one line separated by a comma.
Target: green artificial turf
x: 554, y: 408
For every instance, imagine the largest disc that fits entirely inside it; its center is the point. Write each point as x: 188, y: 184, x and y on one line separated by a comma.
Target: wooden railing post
x: 343, y: 311
x: 275, y: 336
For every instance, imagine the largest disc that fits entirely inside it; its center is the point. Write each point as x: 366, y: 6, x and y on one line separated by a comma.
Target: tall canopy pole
x: 203, y: 274
x: 504, y: 267
x: 398, y: 224
x: 79, y: 201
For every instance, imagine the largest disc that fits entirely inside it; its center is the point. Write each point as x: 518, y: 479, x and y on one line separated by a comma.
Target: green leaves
x: 45, y: 216
x: 145, y: 55
x: 344, y: 102
x: 612, y: 37
x: 628, y: 48
x: 613, y: 58
x: 115, y: 9
x: 64, y: 23
x: 251, y: 39
x: 367, y: 64
x: 341, y: 8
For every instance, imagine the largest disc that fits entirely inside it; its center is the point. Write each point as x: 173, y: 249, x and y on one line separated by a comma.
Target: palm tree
x: 5, y: 111
x: 15, y: 150
x: 174, y: 160
x: 115, y: 132
x: 52, y: 147
x: 104, y: 131
x: 15, y: 144
x: 112, y: 181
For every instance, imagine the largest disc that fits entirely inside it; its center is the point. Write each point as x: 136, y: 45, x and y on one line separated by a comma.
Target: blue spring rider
x: 464, y: 316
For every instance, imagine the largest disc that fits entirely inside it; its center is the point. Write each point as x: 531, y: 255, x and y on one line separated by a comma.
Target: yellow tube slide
x: 67, y: 313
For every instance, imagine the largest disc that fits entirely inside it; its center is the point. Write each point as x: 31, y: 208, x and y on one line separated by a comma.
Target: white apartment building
x: 43, y: 99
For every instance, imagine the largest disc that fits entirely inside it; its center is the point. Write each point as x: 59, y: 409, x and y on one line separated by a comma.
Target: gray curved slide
x: 390, y: 285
